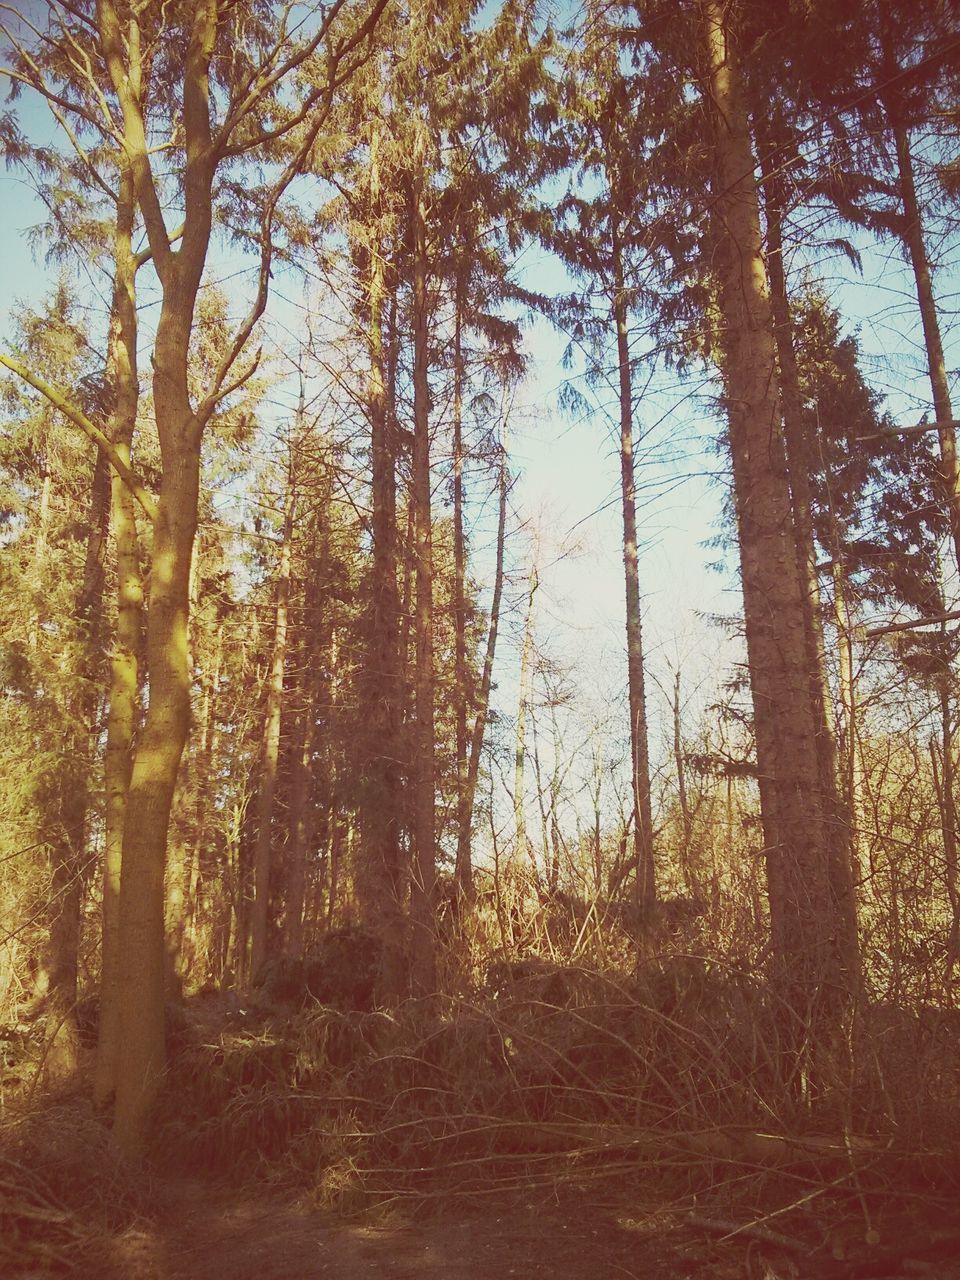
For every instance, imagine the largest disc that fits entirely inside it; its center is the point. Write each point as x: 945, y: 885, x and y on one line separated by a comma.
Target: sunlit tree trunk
x: 161, y: 744
x: 851, y: 756
x: 812, y: 946
x: 300, y: 816
x: 800, y: 463
x: 124, y: 695
x: 464, y: 869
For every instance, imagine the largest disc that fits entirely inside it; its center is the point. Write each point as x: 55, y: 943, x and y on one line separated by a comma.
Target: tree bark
x: 381, y: 883
x: 933, y: 342
x: 464, y: 864
x: 154, y: 777
x: 124, y: 694
x: 800, y: 464
x: 646, y: 886
x: 807, y: 933
x: 423, y: 877
x: 464, y: 869
x: 270, y: 751
x: 520, y: 741
x: 71, y: 800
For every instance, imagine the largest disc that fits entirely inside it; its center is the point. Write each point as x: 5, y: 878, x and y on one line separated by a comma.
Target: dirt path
x: 204, y: 1234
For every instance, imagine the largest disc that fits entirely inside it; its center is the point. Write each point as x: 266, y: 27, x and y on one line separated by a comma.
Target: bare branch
x: 951, y: 616
x: 211, y: 400
x: 61, y: 401
x: 134, y: 135
x: 922, y: 428
x: 333, y: 82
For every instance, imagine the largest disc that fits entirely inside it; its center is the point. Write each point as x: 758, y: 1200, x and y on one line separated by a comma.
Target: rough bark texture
x: 805, y: 926
x: 800, y: 462
x: 125, y: 658
x: 141, y: 948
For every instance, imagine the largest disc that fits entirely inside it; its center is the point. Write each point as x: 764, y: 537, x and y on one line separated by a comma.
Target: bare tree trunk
x: 933, y: 342
x: 519, y: 754
x: 381, y: 883
x: 544, y: 811
x: 800, y: 461
x: 847, y: 686
x: 301, y: 812
x: 71, y: 801
x: 946, y: 792
x: 270, y: 752
x: 464, y: 864
x: 464, y: 869
x: 811, y: 944
x: 646, y: 885
x: 423, y: 877
x: 125, y: 660
x: 690, y: 878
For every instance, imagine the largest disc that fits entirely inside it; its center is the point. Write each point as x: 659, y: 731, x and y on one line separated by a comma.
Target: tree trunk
x: 124, y: 697
x: 520, y: 741
x: 141, y: 948
x: 691, y: 879
x: 646, y: 886
x: 847, y: 686
x: 303, y: 734
x: 270, y: 751
x: 71, y: 801
x: 933, y: 342
x: 381, y: 883
x: 800, y: 462
x: 809, y: 945
x: 464, y: 864
x: 464, y: 868
x: 423, y: 877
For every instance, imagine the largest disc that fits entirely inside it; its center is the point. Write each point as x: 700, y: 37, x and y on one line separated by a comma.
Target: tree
x: 125, y: 51
x: 813, y: 933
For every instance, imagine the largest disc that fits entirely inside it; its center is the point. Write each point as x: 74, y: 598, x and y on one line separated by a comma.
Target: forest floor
x: 68, y: 1207
x: 202, y: 1232
x: 198, y: 1230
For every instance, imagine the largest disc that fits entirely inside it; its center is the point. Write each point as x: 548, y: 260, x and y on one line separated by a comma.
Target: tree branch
x: 79, y: 419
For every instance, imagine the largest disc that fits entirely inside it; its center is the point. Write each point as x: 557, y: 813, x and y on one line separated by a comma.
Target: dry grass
x: 64, y: 1196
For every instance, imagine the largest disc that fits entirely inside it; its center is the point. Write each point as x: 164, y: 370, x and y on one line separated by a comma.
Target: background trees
x: 298, y: 544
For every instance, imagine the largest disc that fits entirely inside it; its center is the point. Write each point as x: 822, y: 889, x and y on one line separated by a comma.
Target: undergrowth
x: 558, y: 1074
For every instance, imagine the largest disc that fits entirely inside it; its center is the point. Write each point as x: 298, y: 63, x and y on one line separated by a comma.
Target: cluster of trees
x: 232, y: 731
